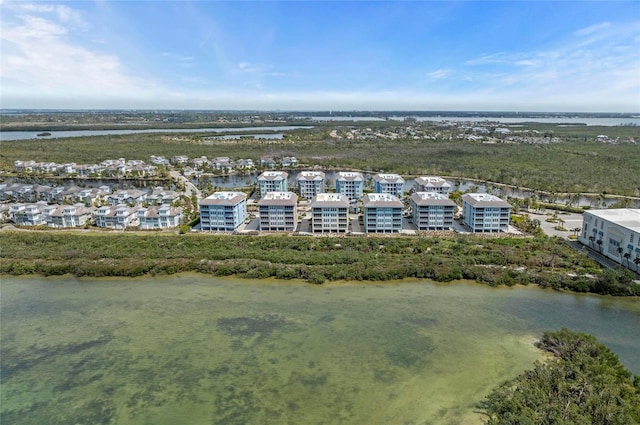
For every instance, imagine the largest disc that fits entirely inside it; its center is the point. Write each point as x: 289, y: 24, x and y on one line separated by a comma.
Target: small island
x: 44, y: 134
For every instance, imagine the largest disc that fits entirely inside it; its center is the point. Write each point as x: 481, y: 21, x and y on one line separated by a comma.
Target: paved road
x: 189, y: 188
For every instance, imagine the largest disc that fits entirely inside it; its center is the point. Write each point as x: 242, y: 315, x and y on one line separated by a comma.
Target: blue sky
x: 302, y: 55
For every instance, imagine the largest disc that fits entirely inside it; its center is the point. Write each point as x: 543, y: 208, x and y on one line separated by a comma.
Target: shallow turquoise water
x: 200, y: 350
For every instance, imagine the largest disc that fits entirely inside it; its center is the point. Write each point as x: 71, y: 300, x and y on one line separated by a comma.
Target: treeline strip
x: 548, y: 262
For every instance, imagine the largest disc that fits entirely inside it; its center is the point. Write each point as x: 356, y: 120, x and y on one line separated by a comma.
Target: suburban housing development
x: 394, y: 205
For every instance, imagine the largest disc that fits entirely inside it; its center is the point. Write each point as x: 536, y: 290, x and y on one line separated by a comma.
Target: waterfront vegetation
x: 584, y: 383
x: 547, y: 262
x: 577, y: 164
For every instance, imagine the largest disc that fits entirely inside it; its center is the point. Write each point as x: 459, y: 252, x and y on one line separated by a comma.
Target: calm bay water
x: 27, y: 135
x: 201, y: 350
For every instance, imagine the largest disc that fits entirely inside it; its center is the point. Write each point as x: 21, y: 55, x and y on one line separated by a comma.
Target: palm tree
x: 599, y: 242
x: 636, y: 261
x: 575, y: 231
x: 626, y: 256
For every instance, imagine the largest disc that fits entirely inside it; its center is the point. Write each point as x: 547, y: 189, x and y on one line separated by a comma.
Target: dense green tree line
x: 548, y: 262
x: 584, y: 383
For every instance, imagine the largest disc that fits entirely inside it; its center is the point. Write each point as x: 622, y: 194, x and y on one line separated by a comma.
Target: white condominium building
x: 330, y: 213
x: 392, y: 184
x: 382, y: 213
x: 278, y: 211
x: 432, y: 211
x: 273, y: 181
x: 350, y: 184
x: 485, y: 213
x: 433, y: 184
x: 310, y: 183
x: 223, y: 211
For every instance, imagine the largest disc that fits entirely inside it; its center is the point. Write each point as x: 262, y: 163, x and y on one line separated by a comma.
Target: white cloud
x: 439, y: 73
x: 595, y: 68
x: 249, y: 68
x: 487, y: 59
x: 592, y: 29
x: 41, y: 57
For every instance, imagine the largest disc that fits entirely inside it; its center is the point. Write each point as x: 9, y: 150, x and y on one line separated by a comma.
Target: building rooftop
x: 388, y: 178
x: 330, y: 200
x: 311, y: 175
x: 381, y: 200
x: 224, y: 198
x: 350, y: 175
x: 279, y: 198
x: 625, y: 217
x: 273, y: 175
x: 431, y: 198
x: 484, y: 200
x: 433, y: 181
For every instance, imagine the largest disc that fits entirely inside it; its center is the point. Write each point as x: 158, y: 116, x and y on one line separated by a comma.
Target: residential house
x: 128, y: 196
x: 382, y: 213
x: 199, y: 163
x: 222, y: 163
x: 615, y: 233
x: 179, y: 159
x: 289, y: 162
x: 432, y: 211
x: 273, y: 181
x: 159, y: 217
x: 66, y: 216
x: 278, y: 211
x: 92, y: 196
x: 310, y: 183
x: 159, y: 160
x: 53, y: 196
x: 392, y: 184
x: 485, y: 213
x: 117, y: 217
x: 267, y: 162
x: 245, y: 164
x: 29, y: 214
x: 161, y: 196
x: 223, y: 211
x: 330, y: 213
